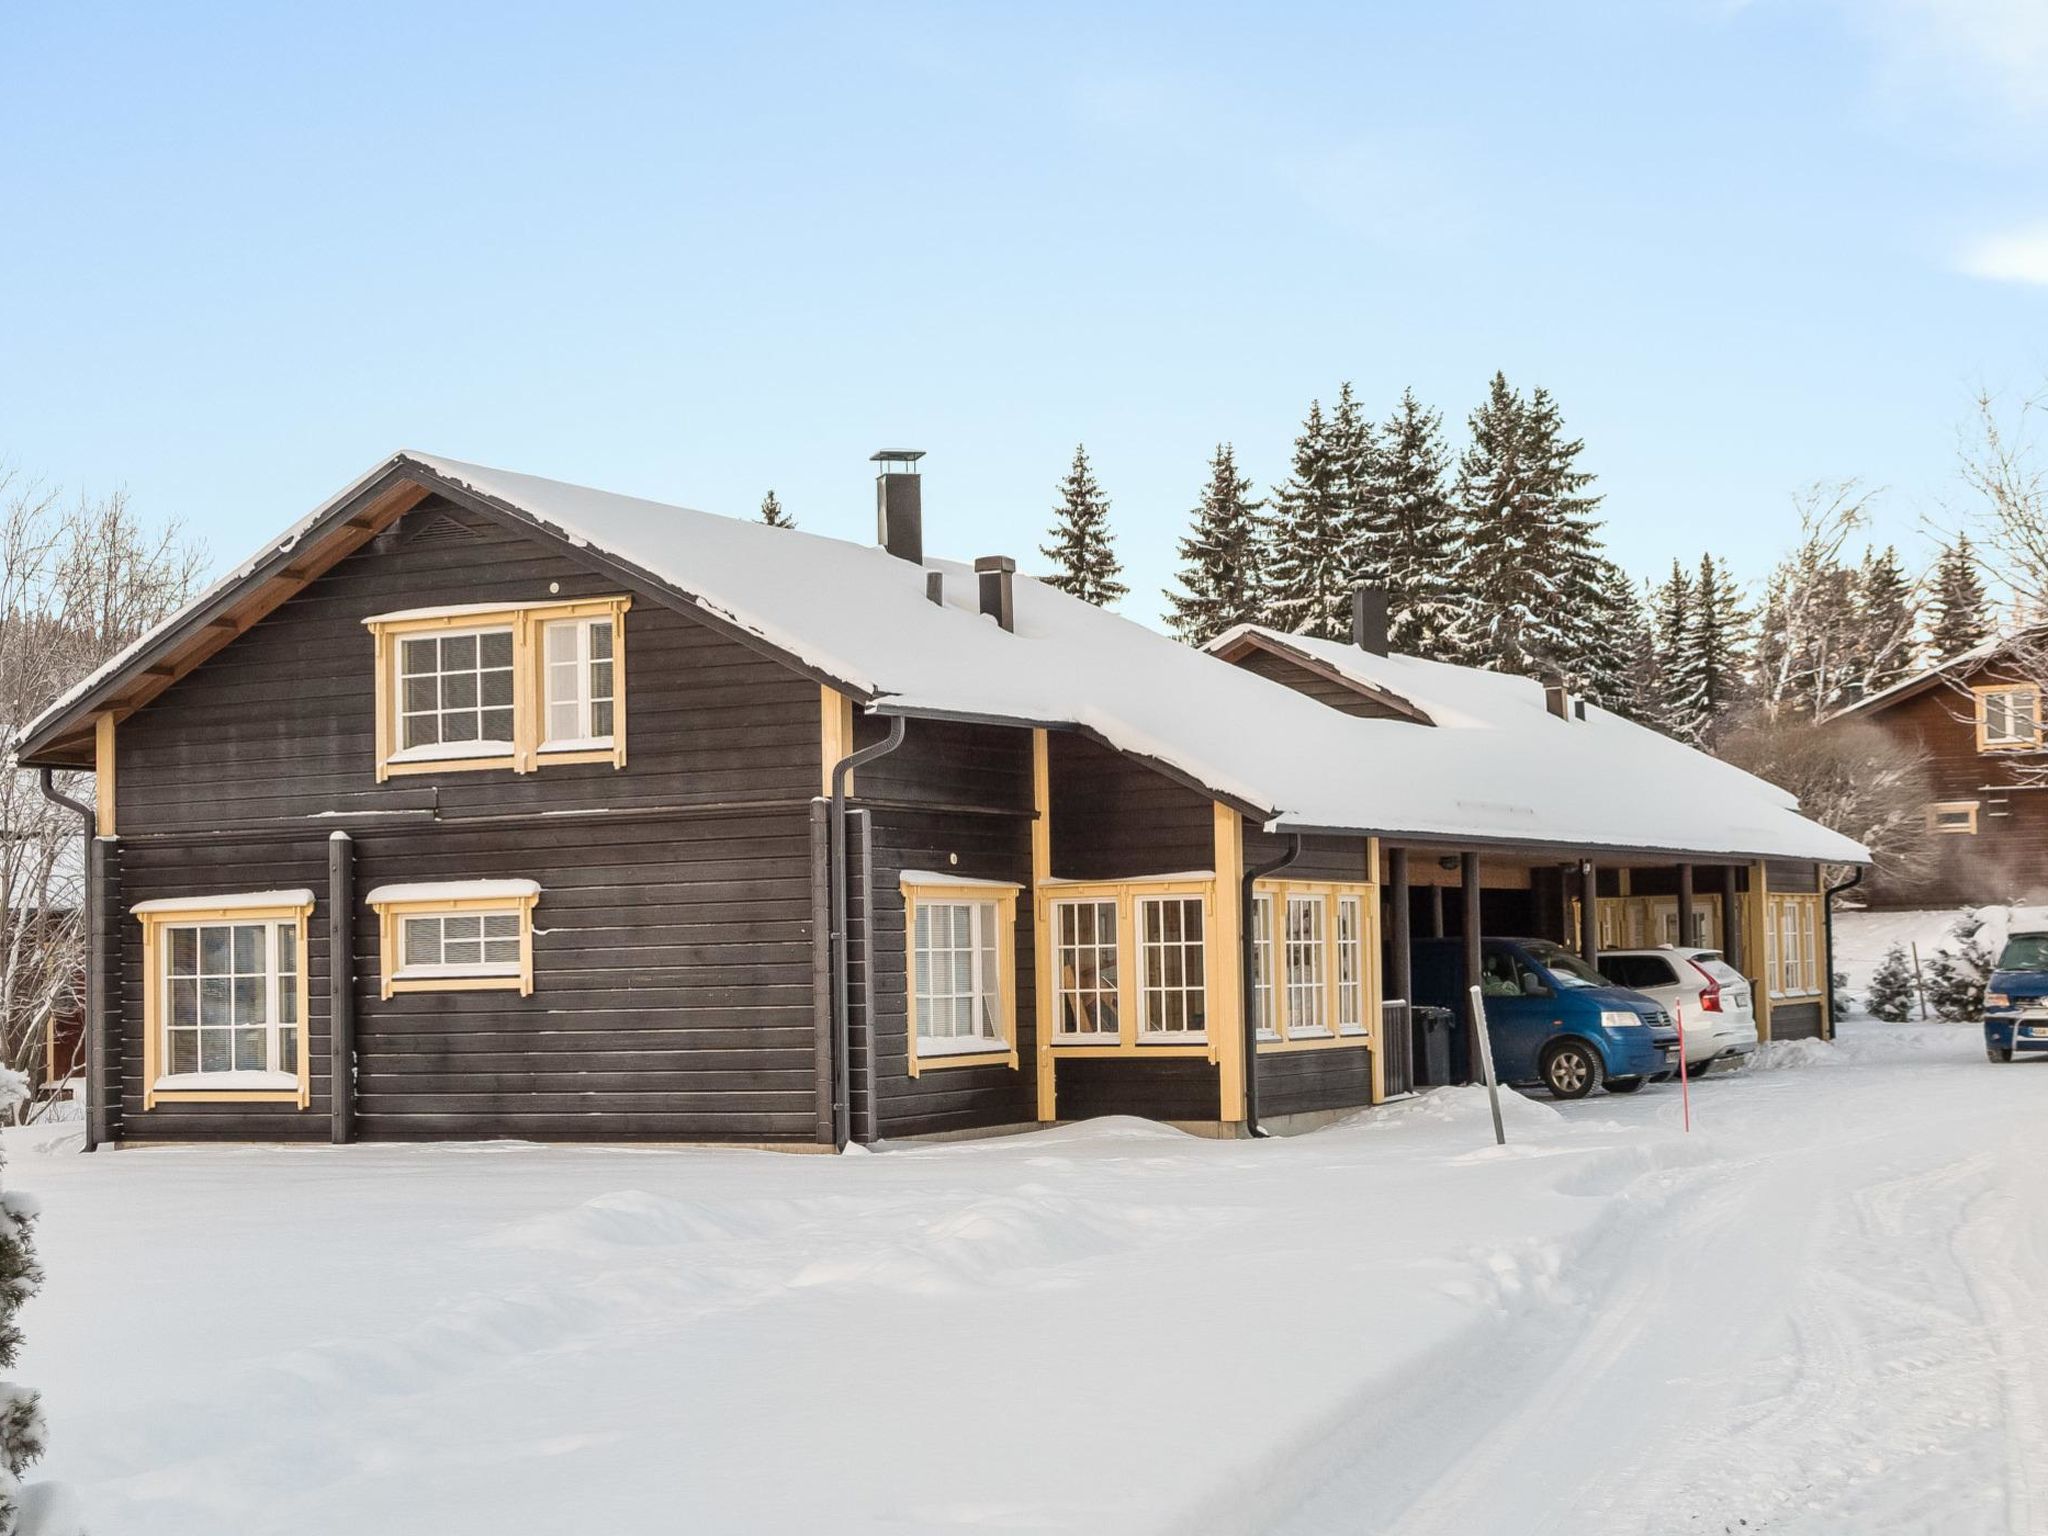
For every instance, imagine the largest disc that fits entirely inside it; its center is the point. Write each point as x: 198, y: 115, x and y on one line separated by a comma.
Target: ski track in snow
x: 1818, y: 1314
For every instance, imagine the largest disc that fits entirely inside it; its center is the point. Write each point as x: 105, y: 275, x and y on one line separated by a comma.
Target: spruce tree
x: 1418, y: 533
x: 1219, y: 571
x: 1355, y: 485
x: 1614, y: 639
x: 1884, y: 650
x: 1309, y: 557
x: 772, y: 513
x: 1494, y: 528
x: 1890, y: 994
x: 22, y: 1430
x: 1675, y: 707
x: 1082, y: 550
x: 1717, y: 659
x: 1957, y: 610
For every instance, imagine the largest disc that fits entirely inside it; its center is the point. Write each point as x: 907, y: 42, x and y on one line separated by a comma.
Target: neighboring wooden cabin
x: 1978, y: 722
x: 485, y: 806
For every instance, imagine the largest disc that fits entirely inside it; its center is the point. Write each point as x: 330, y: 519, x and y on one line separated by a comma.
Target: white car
x: 1713, y: 995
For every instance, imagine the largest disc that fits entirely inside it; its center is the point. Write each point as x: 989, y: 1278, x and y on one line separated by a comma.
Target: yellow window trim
x: 1982, y: 695
x: 916, y: 894
x: 390, y: 914
x: 153, y: 926
x: 1130, y: 1040
x: 1938, y: 808
x: 1333, y: 1038
x: 1802, y: 908
x: 525, y: 620
x: 1637, y: 922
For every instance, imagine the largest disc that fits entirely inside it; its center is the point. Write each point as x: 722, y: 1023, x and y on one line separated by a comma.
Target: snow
x: 452, y: 890
x: 860, y: 617
x: 451, y: 751
x: 951, y: 878
x: 1813, y: 1315
x: 251, y: 1080
x: 1862, y: 938
x: 249, y: 899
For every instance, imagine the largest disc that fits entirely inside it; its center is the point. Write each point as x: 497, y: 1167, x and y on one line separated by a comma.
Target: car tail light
x: 1710, y: 995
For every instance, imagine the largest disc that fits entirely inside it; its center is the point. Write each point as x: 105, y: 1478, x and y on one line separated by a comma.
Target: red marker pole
x: 1684, y: 1082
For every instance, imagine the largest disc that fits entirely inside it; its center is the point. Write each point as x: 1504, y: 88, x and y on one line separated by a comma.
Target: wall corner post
x: 341, y: 985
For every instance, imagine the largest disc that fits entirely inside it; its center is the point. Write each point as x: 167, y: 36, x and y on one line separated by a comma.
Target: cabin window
x: 1262, y: 968
x: 578, y: 656
x: 225, y: 999
x: 1351, y: 966
x: 1953, y: 816
x: 483, y: 686
x: 962, y: 967
x: 1792, y: 957
x: 456, y: 936
x: 2008, y: 718
x: 1172, y: 987
x: 1086, y: 958
x: 1308, y: 995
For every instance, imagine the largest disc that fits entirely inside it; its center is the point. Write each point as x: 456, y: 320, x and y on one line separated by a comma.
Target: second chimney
x: 997, y: 575
x: 899, y: 504
x: 1369, y: 620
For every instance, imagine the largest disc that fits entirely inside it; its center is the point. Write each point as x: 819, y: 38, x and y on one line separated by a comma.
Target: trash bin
x: 1431, y: 1034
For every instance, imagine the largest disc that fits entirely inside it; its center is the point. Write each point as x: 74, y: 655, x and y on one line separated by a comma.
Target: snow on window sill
x: 577, y: 744
x: 1269, y: 1035
x: 1354, y: 1031
x: 457, y: 972
x: 1174, y: 1037
x: 1311, y: 1034
x: 228, y: 1082
x: 444, y: 751
x: 960, y: 1045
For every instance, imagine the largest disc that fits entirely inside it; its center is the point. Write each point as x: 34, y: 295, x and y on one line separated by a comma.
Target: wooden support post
x: 1731, y: 917
x: 1226, y: 993
x: 1589, y: 906
x: 1401, y: 938
x: 1436, y: 912
x: 341, y: 985
x: 821, y: 969
x: 1042, y: 928
x: 1470, y: 935
x: 1685, y: 937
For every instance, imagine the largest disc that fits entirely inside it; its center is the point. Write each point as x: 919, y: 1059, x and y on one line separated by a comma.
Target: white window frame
x: 1792, y: 958
x: 482, y: 968
x: 1307, y: 967
x: 992, y: 931
x: 1151, y: 951
x: 1351, y: 1018
x: 1264, y: 998
x: 397, y: 905
x: 480, y: 745
x: 2008, y: 698
x: 1069, y: 995
x: 584, y: 697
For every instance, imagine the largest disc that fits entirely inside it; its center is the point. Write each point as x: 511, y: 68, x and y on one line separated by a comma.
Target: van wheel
x: 1623, y: 1084
x: 1998, y: 1052
x: 1571, y: 1069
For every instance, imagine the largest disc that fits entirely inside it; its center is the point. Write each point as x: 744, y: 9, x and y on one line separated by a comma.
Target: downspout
x: 842, y: 1009
x: 1827, y: 924
x: 92, y: 825
x: 1248, y: 976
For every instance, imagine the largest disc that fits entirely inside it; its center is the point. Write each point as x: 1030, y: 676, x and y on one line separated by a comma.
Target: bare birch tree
x: 79, y: 581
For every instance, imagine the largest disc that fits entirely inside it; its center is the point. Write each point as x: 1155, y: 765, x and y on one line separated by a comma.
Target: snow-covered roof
x: 452, y: 890
x: 860, y: 618
x: 239, y: 901
x: 1958, y: 665
x: 1620, y: 783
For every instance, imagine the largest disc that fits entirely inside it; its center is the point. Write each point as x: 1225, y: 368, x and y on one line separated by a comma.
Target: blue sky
x: 695, y: 253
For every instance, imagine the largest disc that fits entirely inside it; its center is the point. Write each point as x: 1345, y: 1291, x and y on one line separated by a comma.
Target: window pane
x: 497, y: 725
x: 184, y: 1050
x: 419, y: 656
x: 251, y: 1006
x: 561, y: 644
x: 215, y: 954
x: 458, y: 690
x: 422, y: 692
x: 458, y: 653
x: 461, y: 727
x: 215, y: 1052
x: 497, y: 648
x: 497, y: 690
x: 288, y: 1050
x: 184, y: 1004
x: 422, y: 730
x: 422, y: 941
x: 249, y: 947
x: 215, y: 1000
x: 287, y: 949
x: 184, y: 952
x: 563, y: 721
x: 601, y: 719
x: 250, y: 1055
x: 601, y: 640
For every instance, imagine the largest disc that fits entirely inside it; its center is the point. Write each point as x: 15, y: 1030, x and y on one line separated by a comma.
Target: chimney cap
x: 994, y: 563
x: 894, y: 455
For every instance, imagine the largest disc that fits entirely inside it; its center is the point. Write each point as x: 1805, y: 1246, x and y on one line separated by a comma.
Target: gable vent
x: 438, y: 528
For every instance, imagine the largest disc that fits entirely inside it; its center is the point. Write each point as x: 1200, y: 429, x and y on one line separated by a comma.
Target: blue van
x: 1550, y: 1017
x: 2016, y: 998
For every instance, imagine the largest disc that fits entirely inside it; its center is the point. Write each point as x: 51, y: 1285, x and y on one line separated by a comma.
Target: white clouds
x: 1993, y: 52
x: 2017, y: 257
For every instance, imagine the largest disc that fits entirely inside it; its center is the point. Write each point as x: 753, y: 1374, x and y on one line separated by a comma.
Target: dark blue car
x: 2016, y: 998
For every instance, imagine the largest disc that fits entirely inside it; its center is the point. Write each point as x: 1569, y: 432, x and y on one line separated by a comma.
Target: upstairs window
x: 501, y: 686
x: 2008, y: 718
x: 1953, y: 817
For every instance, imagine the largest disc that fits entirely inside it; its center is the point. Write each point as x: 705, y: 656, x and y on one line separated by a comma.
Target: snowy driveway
x: 1814, y: 1315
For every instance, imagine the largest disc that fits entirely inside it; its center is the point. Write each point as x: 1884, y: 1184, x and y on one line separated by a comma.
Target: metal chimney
x: 1369, y: 620
x: 899, y: 504
x: 997, y: 577
x: 1556, y: 698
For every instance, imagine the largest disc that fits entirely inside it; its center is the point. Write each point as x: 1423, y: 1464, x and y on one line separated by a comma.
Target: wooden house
x: 1976, y: 721
x: 482, y: 805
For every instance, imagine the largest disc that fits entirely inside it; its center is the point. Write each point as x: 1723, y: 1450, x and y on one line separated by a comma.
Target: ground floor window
x: 1792, y: 956
x: 962, y: 972
x: 1351, y: 966
x: 225, y: 997
x: 1172, y: 975
x: 1085, y: 961
x: 456, y: 935
x: 1308, y: 989
x: 1262, y: 967
x: 1312, y: 981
